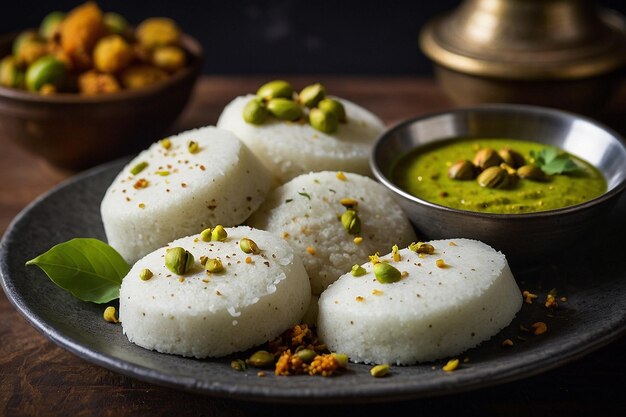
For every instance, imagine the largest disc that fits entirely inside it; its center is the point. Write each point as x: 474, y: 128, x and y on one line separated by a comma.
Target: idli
x: 441, y: 304
x: 180, y: 185
x: 289, y: 148
x: 311, y: 213
x: 253, y: 299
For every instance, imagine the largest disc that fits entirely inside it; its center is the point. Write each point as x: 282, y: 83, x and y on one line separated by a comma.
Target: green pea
x: 10, y: 74
x: 22, y: 39
x: 50, y: 24
x: 116, y: 23
x: 46, y: 70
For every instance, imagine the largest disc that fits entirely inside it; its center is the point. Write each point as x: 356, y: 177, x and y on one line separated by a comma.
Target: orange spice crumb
x: 452, y: 244
x: 441, y: 263
x: 285, y: 235
x: 248, y: 260
x: 310, y: 250
x: 341, y: 176
x: 551, y: 301
x: 507, y: 343
x: 359, y: 298
x: 377, y: 292
x: 540, y: 328
x: 528, y: 297
x: 141, y: 183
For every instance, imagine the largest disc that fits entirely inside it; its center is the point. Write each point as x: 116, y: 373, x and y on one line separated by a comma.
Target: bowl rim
x: 191, y: 45
x: 493, y: 107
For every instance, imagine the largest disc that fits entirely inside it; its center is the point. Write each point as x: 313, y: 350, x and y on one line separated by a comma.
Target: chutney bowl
x: 74, y: 131
x: 526, y: 237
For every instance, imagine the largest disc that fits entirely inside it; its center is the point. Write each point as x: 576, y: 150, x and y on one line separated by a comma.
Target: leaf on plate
x: 88, y: 268
x: 552, y: 161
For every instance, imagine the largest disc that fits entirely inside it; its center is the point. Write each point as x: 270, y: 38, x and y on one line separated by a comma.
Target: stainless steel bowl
x: 522, y: 238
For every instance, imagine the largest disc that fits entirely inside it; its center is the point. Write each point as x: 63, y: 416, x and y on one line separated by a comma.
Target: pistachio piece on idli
x: 180, y: 185
x: 206, y: 312
x: 290, y: 148
x: 442, y: 304
x: 333, y: 220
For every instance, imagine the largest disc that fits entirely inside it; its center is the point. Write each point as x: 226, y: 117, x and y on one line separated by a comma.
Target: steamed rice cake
x: 289, y: 149
x: 307, y: 213
x: 180, y: 185
x: 432, y: 312
x: 213, y: 314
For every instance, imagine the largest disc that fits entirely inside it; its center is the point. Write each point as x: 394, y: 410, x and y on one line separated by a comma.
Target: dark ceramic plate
x: 592, y: 277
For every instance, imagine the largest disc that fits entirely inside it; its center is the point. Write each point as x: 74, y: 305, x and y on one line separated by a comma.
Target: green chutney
x: 424, y: 174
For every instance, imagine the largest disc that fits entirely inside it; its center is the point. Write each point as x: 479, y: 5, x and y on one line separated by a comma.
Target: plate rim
x: 381, y: 393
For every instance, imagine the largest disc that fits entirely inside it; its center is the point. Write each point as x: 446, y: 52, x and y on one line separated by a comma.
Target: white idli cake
x: 293, y: 147
x: 333, y: 220
x: 180, y: 185
x: 441, y: 304
x: 254, y: 298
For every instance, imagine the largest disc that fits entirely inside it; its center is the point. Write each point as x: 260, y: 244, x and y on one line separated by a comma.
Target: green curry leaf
x: 553, y: 162
x: 88, y: 268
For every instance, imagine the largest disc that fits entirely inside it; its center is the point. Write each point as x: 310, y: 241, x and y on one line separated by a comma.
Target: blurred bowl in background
x: 527, y: 238
x: 75, y: 131
x: 557, y: 53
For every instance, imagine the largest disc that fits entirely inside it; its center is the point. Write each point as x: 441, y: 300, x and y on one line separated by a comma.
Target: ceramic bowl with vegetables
x: 527, y: 180
x: 86, y: 86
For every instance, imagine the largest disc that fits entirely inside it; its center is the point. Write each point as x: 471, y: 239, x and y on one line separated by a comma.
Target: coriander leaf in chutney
x: 424, y: 173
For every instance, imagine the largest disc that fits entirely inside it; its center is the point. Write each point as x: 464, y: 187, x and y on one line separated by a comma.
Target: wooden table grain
x: 37, y: 378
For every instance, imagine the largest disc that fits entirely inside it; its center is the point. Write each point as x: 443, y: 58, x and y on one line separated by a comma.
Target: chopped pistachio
x: 341, y: 358
x: 205, y: 235
x: 385, y: 273
x: 249, y: 246
x: 349, y: 203
x: 109, y: 315
x: 193, y: 147
x: 166, y: 143
x: 357, y: 271
x: 451, y: 365
x: 145, y: 274
x: 395, y: 253
x: 178, y: 260
x: 238, y: 365
x: 421, y: 247
x: 351, y: 221
x: 139, y: 167
x: 219, y: 234
x: 214, y: 266
x: 261, y: 359
x: 379, y: 371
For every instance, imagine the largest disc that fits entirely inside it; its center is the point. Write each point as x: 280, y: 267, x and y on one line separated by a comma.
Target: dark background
x: 282, y: 36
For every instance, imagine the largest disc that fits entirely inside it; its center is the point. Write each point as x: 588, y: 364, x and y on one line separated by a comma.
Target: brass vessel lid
x: 527, y: 39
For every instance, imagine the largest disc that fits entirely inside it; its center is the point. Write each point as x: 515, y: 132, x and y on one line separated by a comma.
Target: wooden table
x: 38, y: 378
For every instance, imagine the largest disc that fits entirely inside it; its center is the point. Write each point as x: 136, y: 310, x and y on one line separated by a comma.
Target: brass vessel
x: 559, y: 53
